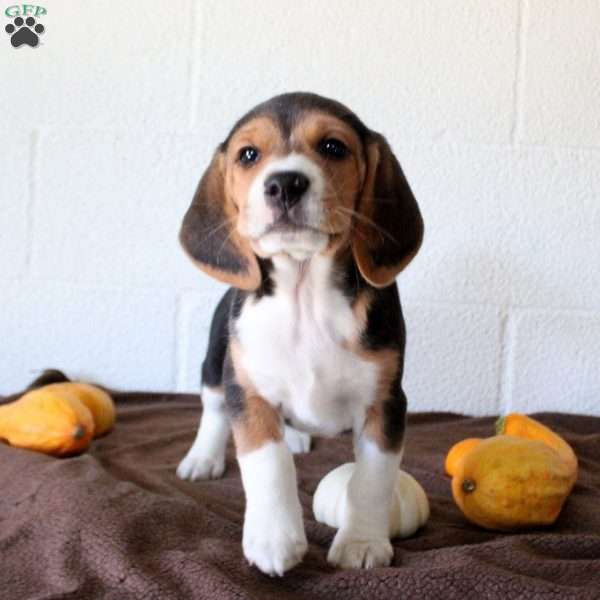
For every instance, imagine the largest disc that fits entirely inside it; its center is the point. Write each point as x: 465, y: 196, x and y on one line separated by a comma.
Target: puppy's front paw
x: 352, y: 552
x: 201, y: 466
x: 273, y: 548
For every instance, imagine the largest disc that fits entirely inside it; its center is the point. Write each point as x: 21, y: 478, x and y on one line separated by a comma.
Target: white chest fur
x: 293, y: 352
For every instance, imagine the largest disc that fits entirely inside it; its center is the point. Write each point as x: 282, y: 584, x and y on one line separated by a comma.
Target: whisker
x: 349, y: 222
x: 369, y: 222
x: 211, y: 232
x: 227, y: 238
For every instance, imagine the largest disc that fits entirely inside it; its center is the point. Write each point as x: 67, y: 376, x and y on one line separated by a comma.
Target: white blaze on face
x: 259, y: 216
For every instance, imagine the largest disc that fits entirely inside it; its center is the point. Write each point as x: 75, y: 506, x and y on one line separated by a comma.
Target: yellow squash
x: 525, y: 427
x: 458, y: 452
x: 507, y: 482
x: 46, y: 420
x: 98, y: 402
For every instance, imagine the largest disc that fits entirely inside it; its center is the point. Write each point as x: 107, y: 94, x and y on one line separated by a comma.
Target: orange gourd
x: 46, y: 420
x: 97, y: 401
x: 458, y: 452
x: 523, y: 426
x: 509, y: 482
x: 57, y: 416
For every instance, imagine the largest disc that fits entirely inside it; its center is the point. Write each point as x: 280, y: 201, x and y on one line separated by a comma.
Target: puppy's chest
x: 295, y: 351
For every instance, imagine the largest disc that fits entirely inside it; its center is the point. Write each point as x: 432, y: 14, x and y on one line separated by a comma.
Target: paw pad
x: 24, y: 31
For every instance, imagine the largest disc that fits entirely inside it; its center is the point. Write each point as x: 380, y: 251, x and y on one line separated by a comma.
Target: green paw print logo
x: 24, y: 29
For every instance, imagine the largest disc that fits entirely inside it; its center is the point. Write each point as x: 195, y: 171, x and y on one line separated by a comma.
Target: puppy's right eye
x: 248, y: 155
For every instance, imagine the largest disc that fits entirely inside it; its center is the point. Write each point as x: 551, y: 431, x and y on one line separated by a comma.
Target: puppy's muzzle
x: 284, y: 189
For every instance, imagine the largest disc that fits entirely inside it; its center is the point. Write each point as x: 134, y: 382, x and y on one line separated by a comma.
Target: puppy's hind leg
x: 206, y: 458
x: 297, y: 441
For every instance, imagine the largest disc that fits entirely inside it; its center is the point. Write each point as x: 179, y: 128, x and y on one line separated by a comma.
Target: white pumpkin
x: 409, y: 509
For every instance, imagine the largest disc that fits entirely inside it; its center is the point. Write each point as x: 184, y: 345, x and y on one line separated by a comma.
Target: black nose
x: 284, y: 189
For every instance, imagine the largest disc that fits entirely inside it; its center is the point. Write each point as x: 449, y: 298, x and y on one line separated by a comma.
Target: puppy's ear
x: 209, y: 235
x: 389, y: 228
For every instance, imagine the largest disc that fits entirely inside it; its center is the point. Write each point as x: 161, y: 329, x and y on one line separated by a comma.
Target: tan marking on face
x: 242, y: 245
x: 264, y: 135
x: 212, y: 213
x: 259, y: 421
x: 343, y: 178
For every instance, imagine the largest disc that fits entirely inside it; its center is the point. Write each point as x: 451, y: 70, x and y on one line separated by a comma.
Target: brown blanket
x: 117, y: 523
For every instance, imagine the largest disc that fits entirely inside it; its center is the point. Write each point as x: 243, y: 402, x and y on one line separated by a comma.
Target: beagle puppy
x: 307, y: 215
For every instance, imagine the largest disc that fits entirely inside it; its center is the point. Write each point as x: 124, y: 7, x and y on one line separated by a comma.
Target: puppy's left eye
x: 333, y: 148
x: 248, y: 155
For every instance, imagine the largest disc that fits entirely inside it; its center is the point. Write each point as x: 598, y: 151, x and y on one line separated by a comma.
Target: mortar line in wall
x: 561, y: 146
x: 505, y: 381
x: 520, y: 58
x: 176, y: 343
x: 31, y: 194
x: 500, y: 374
x: 218, y: 292
x: 192, y: 84
x: 424, y: 142
x: 95, y: 285
x: 577, y: 310
x: 428, y: 142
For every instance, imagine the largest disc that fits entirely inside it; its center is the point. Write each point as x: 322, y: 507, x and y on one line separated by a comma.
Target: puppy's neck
x: 297, y: 277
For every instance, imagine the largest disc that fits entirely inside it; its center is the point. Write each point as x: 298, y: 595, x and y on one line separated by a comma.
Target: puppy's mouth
x: 284, y: 236
x: 284, y: 225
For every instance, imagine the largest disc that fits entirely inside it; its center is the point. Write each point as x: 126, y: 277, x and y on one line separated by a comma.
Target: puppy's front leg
x: 274, y: 538
x: 363, y: 538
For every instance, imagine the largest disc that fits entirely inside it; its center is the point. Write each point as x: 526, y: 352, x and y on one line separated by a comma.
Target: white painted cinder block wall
x: 493, y: 108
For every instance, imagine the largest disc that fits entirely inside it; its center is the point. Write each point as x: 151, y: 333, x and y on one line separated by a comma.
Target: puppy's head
x: 298, y: 175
